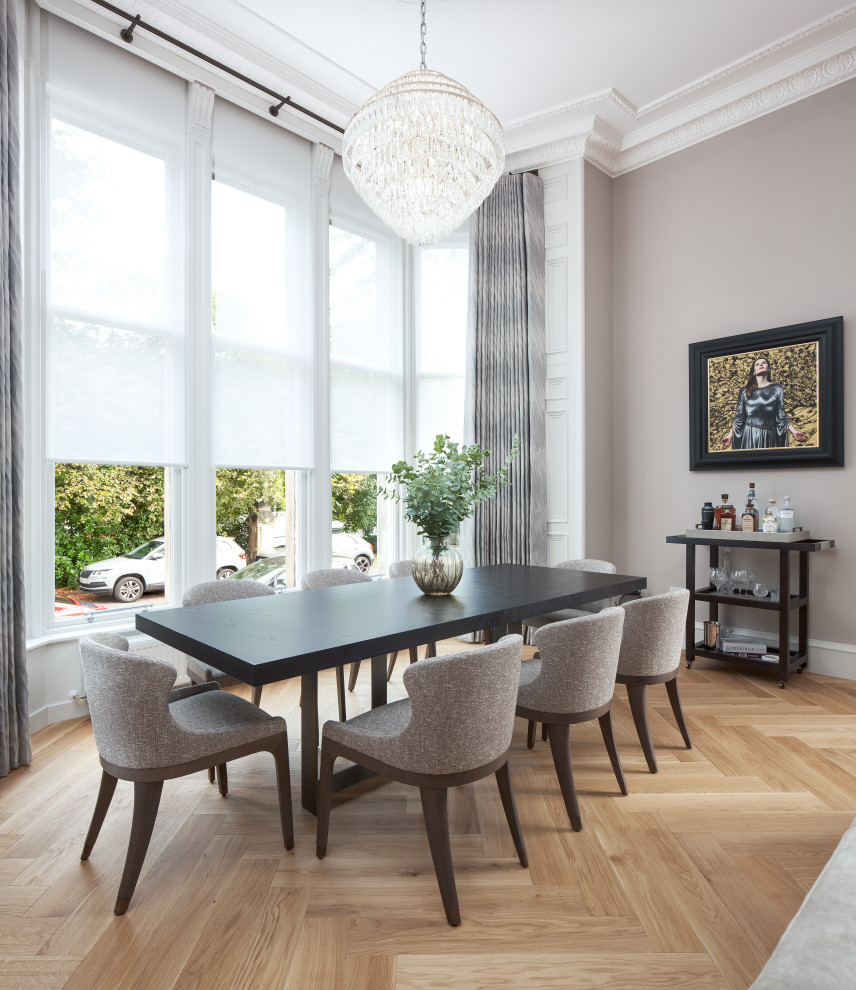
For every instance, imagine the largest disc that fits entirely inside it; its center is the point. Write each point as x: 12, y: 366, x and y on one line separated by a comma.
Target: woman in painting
x: 760, y: 419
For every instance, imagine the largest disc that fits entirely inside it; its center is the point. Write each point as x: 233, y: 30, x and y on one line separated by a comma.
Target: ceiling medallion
x: 423, y: 153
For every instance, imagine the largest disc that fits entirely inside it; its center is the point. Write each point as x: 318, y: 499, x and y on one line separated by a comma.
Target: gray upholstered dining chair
x: 404, y: 569
x: 591, y: 565
x: 651, y: 654
x: 205, y: 593
x: 148, y: 734
x: 455, y: 727
x: 335, y: 577
x: 573, y: 681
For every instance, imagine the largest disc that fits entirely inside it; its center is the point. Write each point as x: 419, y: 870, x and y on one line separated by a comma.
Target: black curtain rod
x: 127, y: 34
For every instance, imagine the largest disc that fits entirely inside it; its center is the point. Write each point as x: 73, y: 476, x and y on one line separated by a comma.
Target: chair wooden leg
x: 636, y: 697
x: 352, y: 680
x: 675, y: 700
x: 430, y: 650
x: 210, y: 775
x: 257, y: 695
x: 340, y: 693
x: 222, y: 779
x: 560, y: 747
x: 390, y: 667
x: 414, y: 654
x: 283, y: 789
x: 503, y: 781
x: 325, y: 794
x: 105, y: 796
x: 545, y: 732
x: 147, y: 796
x: 605, y: 721
x: 530, y: 734
x: 435, y: 811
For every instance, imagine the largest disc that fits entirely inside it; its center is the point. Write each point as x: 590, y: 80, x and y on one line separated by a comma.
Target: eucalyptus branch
x: 442, y: 488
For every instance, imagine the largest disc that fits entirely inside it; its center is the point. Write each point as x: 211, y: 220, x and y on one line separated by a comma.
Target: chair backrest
x: 401, y: 569
x: 332, y: 577
x: 596, y: 567
x: 114, y: 640
x: 653, y: 634
x: 462, y: 708
x: 579, y: 660
x: 128, y: 696
x: 207, y: 592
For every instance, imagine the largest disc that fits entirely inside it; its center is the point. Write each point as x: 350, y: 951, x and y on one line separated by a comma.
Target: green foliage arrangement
x: 103, y: 510
x: 442, y: 489
x: 355, y: 503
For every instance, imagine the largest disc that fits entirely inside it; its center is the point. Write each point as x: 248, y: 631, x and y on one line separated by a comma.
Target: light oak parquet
x: 686, y: 882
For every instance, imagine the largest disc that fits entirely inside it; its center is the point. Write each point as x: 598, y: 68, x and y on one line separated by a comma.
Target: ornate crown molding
x: 597, y: 147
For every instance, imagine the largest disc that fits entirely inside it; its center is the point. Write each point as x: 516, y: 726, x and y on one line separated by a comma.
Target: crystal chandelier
x: 423, y: 153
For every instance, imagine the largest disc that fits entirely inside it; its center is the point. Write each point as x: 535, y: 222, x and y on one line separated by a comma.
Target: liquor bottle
x: 771, y: 518
x: 749, y: 519
x: 786, y: 516
x: 724, y: 516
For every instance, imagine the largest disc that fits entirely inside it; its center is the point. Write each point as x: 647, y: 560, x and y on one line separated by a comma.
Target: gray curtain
x: 14, y: 721
x: 506, y: 367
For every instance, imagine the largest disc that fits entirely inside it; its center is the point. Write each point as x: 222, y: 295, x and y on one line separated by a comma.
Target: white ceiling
x: 620, y: 81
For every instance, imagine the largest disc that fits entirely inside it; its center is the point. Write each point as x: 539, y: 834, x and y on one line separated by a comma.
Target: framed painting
x: 769, y: 399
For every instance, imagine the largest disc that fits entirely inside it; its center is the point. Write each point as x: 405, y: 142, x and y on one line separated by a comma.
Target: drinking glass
x: 760, y: 590
x: 716, y: 579
x: 774, y: 594
x: 742, y: 578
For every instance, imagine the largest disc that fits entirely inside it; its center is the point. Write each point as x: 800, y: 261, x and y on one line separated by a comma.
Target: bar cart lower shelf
x: 788, y: 660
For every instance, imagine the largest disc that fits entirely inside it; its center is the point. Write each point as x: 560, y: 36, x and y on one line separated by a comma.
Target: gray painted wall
x: 750, y: 230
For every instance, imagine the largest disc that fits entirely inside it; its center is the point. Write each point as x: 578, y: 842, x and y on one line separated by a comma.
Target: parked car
x: 352, y: 546
x: 266, y: 570
x: 66, y: 607
x: 348, y: 549
x: 144, y: 569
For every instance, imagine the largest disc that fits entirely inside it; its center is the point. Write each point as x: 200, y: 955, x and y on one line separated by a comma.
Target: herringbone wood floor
x: 688, y: 882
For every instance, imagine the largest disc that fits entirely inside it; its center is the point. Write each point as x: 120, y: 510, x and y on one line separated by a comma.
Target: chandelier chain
x: 422, y: 48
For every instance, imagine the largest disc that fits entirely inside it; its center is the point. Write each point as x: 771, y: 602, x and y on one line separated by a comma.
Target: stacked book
x: 751, y: 648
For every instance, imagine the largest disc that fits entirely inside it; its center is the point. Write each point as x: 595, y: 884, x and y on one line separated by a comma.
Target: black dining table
x: 267, y: 639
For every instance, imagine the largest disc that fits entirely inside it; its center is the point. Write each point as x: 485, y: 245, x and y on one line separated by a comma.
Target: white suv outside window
x: 143, y: 569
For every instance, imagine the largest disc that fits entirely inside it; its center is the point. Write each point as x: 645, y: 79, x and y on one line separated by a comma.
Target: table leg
x: 378, y: 681
x: 497, y: 632
x: 309, y: 742
x: 515, y: 628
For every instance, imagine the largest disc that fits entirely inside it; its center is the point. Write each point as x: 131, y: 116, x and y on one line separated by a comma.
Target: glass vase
x: 437, y: 568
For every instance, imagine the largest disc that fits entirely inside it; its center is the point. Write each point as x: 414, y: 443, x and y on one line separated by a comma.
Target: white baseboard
x: 48, y: 714
x: 824, y: 657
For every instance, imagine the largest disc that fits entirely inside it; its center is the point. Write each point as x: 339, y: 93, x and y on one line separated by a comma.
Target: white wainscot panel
x: 557, y: 388
x: 557, y: 466
x: 557, y: 305
x: 557, y: 548
x: 556, y: 189
x: 556, y: 236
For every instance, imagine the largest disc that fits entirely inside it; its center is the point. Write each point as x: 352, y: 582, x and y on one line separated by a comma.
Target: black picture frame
x: 828, y: 448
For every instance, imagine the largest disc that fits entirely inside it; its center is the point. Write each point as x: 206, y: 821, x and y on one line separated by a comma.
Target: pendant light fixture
x: 423, y: 153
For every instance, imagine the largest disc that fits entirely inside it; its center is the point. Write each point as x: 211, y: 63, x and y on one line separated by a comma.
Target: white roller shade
x: 115, y: 344
x: 262, y: 331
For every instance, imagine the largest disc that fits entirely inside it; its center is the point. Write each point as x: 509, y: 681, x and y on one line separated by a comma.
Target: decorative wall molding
x: 557, y: 445
x: 594, y: 147
x: 556, y: 292
x: 200, y: 105
x: 557, y: 388
x: 322, y: 166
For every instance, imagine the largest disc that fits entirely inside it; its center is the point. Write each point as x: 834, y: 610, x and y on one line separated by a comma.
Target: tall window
x: 262, y: 336
x: 366, y: 375
x: 441, y: 339
x: 114, y: 352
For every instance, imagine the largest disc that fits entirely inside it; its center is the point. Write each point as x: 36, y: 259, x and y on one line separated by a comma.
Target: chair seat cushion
x: 375, y: 732
x: 217, y: 720
x: 565, y: 613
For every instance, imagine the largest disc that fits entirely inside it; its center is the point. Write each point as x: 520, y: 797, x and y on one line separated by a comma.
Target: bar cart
x: 786, y: 544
